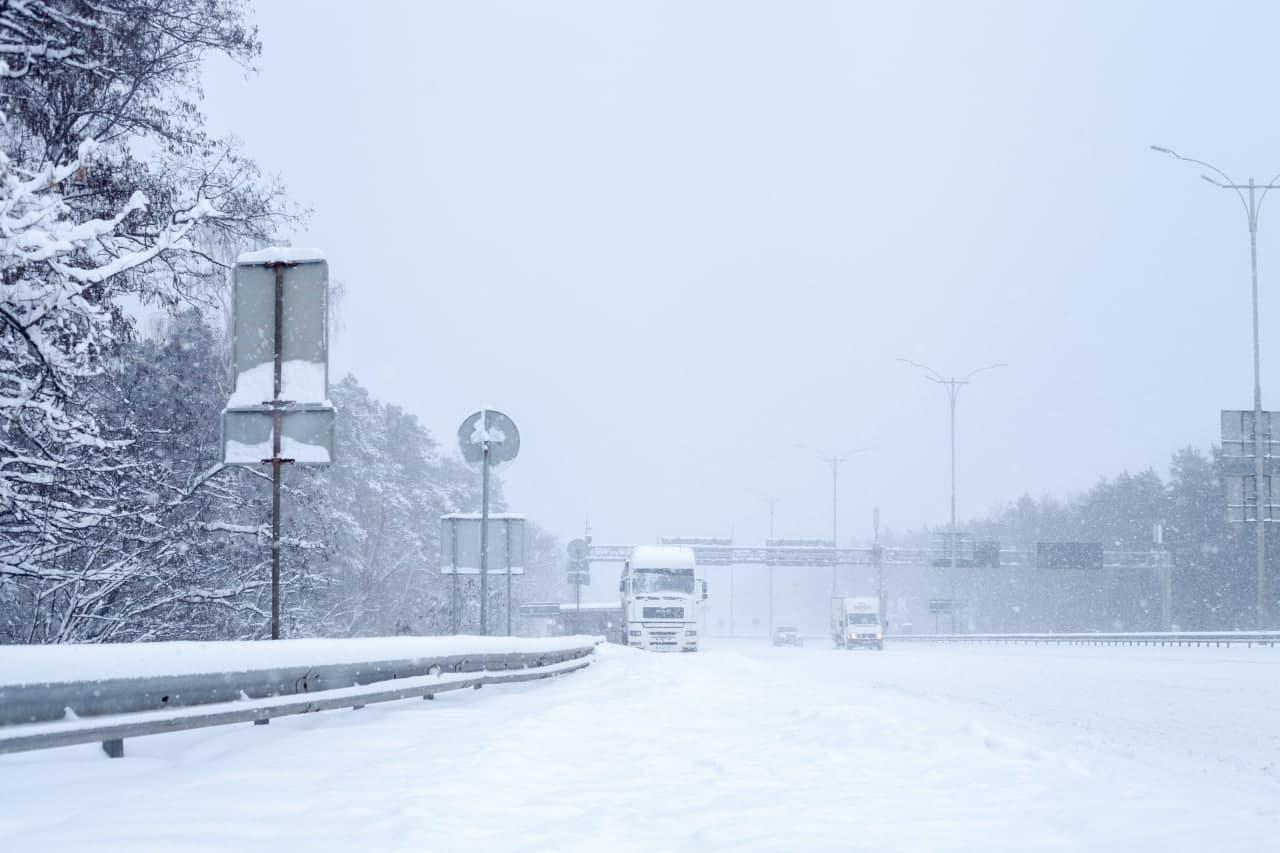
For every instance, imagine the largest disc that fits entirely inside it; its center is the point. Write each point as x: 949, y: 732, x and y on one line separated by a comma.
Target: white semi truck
x: 857, y: 622
x: 660, y: 598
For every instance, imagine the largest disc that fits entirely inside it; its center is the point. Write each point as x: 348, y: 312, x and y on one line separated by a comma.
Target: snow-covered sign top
x: 493, y: 516
x: 661, y: 557
x: 280, y: 255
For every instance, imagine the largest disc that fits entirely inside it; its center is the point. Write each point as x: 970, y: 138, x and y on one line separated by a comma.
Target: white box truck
x: 660, y: 598
x: 856, y: 622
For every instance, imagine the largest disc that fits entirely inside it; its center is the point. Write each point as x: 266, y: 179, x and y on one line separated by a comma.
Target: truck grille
x: 664, y: 613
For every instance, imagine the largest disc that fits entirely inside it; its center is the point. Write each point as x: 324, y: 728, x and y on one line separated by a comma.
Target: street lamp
x: 834, y: 461
x: 1252, y: 206
x: 953, y: 392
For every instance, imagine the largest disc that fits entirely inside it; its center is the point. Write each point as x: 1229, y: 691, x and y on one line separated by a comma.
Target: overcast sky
x: 677, y: 241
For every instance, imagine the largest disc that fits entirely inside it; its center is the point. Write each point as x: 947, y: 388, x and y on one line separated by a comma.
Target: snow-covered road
x: 739, y: 747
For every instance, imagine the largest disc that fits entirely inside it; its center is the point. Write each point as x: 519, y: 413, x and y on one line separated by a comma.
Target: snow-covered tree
x: 88, y: 220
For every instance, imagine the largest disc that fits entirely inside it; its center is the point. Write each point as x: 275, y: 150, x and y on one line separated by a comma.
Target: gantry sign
x: 1047, y: 555
x: 1053, y: 557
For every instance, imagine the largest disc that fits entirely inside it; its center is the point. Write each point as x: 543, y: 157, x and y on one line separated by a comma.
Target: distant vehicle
x: 660, y: 597
x: 857, y: 622
x: 787, y: 637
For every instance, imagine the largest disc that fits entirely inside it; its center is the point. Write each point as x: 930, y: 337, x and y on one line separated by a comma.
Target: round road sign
x: 489, y: 426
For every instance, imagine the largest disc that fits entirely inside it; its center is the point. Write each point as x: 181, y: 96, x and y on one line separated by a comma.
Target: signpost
x: 460, y: 549
x: 939, y: 606
x: 1249, y: 452
x: 579, y: 572
x: 488, y: 438
x: 279, y: 412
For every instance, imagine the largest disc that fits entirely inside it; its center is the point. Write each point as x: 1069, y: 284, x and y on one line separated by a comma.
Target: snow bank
x: 37, y: 664
x: 927, y: 749
x: 280, y: 255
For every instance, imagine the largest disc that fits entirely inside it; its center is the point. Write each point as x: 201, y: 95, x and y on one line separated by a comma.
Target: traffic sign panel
x: 491, y: 428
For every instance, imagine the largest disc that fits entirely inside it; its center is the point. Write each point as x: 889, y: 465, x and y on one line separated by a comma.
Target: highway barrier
x: 60, y: 713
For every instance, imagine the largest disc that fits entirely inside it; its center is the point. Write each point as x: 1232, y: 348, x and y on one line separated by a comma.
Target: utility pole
x: 835, y: 516
x: 1252, y: 203
x: 834, y: 461
x: 773, y: 507
x: 953, y: 386
x: 877, y: 557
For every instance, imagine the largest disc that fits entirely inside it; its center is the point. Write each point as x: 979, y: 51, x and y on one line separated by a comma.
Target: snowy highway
x: 739, y: 747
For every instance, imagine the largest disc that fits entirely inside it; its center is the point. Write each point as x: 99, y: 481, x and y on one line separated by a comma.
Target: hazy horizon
x: 672, y: 265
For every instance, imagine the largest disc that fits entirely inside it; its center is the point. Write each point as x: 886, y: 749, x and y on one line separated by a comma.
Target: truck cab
x: 857, y: 622
x: 660, y: 597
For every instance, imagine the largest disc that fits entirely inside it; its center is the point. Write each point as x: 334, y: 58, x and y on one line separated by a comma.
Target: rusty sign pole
x: 453, y: 561
x: 484, y: 530
x: 277, y: 416
x: 509, y: 579
x: 268, y: 283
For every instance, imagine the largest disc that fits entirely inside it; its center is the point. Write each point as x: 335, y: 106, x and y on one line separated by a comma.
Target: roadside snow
x: 739, y: 747
x: 37, y: 664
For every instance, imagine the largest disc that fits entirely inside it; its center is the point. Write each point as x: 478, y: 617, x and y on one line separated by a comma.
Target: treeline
x: 117, y: 520
x: 1214, y: 578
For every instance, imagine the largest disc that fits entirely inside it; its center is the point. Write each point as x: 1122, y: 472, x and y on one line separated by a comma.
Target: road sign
x: 460, y: 543
x: 947, y: 605
x: 800, y: 552
x: 488, y: 438
x: 280, y: 359
x: 986, y: 554
x: 301, y: 294
x: 578, y: 577
x: 1069, y: 555
x: 492, y: 428
x: 279, y: 411
x: 1239, y: 439
x: 1242, y: 498
x: 709, y: 551
x: 306, y: 436
x: 943, y: 545
x: 540, y: 610
x: 578, y: 550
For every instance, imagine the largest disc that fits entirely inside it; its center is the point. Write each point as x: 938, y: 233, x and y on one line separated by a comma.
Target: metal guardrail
x: 41, y: 716
x: 1154, y: 638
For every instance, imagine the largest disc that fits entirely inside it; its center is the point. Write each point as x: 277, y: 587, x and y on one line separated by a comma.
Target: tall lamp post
x: 953, y: 386
x: 1251, y: 201
x: 835, y: 461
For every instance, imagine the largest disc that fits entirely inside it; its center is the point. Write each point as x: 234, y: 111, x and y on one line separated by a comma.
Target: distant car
x: 787, y: 637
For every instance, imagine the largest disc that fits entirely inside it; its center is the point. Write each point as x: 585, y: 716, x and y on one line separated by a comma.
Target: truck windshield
x: 644, y: 581
x: 863, y: 619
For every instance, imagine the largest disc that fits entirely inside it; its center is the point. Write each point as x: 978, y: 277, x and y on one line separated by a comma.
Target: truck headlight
x: 634, y: 633
x: 691, y: 633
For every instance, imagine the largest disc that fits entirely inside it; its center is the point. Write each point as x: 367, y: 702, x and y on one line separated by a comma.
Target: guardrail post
x: 114, y: 748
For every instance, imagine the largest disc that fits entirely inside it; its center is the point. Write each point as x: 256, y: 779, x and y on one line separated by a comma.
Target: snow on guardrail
x: 39, y: 664
x: 128, y: 690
